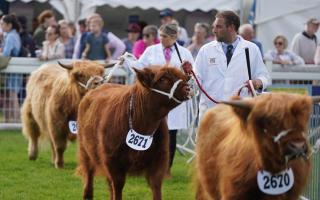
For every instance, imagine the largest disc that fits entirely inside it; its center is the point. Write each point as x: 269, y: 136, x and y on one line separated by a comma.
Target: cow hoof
x: 59, y: 165
x: 32, y: 157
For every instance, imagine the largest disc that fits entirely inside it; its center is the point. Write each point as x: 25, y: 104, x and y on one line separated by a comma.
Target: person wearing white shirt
x: 52, y: 47
x: 221, y: 65
x: 165, y: 53
x: 166, y: 17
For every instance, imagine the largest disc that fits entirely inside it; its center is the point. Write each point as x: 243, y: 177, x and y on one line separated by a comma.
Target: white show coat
x: 221, y: 81
x: 153, y: 55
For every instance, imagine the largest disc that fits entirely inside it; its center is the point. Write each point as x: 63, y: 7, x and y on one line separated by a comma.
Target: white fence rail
x: 21, y: 68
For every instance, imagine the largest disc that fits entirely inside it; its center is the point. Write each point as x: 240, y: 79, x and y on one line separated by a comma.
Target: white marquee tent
x: 78, y: 9
x: 285, y: 17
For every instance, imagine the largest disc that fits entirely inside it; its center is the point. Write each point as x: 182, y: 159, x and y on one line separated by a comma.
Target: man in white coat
x: 221, y: 65
x: 165, y: 53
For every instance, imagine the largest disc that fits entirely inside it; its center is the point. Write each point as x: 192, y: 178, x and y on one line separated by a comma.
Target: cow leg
x: 200, y: 193
x: 155, y: 183
x: 33, y: 148
x: 88, y: 184
x: 109, y: 181
x: 59, y: 146
x: 33, y: 144
x: 117, y: 182
x: 31, y: 130
x: 53, y: 152
x: 87, y: 170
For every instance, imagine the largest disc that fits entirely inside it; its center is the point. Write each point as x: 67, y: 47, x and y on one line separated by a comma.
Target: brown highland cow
x: 114, y: 137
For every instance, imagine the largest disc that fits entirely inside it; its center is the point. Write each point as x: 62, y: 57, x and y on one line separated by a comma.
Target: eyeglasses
x: 278, y: 43
x: 146, y: 35
x: 49, y: 33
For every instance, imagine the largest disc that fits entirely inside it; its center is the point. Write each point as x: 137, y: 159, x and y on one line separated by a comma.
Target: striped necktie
x: 167, y: 54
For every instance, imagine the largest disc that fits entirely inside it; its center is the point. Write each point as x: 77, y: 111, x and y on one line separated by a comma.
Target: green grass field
x: 21, y: 179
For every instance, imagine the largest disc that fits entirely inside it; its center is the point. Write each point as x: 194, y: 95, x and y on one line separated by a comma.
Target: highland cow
x: 123, y: 129
x: 254, y: 149
x: 53, y: 96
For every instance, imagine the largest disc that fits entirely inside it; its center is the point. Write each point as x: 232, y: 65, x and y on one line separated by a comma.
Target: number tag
x: 275, y: 184
x: 73, y: 127
x: 137, y: 141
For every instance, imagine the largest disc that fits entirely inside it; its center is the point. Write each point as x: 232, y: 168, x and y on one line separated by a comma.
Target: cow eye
x: 163, y: 79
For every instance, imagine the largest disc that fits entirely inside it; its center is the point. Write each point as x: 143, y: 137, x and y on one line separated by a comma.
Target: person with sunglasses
x: 149, y: 37
x: 280, y: 55
x: 52, y: 48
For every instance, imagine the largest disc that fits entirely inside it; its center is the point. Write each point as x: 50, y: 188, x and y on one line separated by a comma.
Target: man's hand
x: 187, y: 67
x: 257, y: 83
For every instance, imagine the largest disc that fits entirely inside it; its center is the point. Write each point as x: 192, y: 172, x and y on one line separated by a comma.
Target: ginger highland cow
x: 123, y: 129
x: 254, y: 149
x: 53, y: 96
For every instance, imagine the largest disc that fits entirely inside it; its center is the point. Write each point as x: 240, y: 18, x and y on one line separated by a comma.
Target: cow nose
x: 188, y: 91
x: 297, y: 149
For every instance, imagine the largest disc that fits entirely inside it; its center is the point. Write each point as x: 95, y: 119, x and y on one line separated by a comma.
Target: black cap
x: 166, y: 13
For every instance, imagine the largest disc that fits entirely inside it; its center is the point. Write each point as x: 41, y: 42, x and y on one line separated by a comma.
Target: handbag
x: 4, y: 61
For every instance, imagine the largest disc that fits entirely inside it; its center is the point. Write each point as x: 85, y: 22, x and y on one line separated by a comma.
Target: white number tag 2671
x: 73, y: 127
x: 275, y: 184
x: 137, y: 141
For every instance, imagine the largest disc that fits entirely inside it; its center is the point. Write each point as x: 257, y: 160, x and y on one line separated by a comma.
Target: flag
x: 252, y: 13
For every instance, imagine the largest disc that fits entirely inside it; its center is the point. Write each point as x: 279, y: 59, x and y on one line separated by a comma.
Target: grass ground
x: 21, y: 179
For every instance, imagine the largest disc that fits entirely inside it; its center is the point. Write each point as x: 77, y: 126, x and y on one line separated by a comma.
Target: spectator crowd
x: 54, y: 40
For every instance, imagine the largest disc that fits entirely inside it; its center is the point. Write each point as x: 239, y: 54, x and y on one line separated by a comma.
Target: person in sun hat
x: 133, y: 31
x: 305, y: 43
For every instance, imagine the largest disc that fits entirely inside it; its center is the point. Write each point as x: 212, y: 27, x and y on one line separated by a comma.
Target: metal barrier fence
x: 285, y: 78
x: 17, y: 73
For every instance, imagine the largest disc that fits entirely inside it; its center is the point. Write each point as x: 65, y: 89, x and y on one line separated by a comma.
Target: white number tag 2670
x: 73, y: 127
x: 275, y: 184
x: 137, y: 141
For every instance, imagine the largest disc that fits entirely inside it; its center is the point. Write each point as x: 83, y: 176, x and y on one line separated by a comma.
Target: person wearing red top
x: 149, y: 37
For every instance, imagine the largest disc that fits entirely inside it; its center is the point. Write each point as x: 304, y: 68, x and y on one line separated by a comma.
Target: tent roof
x: 190, y: 5
x: 80, y: 9
x: 267, y: 10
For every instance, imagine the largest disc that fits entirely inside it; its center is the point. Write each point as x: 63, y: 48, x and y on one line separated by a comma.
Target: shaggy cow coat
x: 53, y: 96
x: 235, y: 142
x: 104, y: 124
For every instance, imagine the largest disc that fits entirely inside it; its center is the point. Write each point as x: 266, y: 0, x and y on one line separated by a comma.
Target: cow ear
x: 302, y: 107
x: 241, y: 108
x: 145, y: 76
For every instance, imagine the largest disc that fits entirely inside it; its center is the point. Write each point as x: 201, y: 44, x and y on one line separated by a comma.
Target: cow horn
x: 238, y: 103
x: 68, y: 67
x: 109, y: 64
x: 316, y: 99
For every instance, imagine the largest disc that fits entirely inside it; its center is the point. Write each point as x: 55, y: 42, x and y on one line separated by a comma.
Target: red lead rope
x: 187, y: 68
x: 201, y: 88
